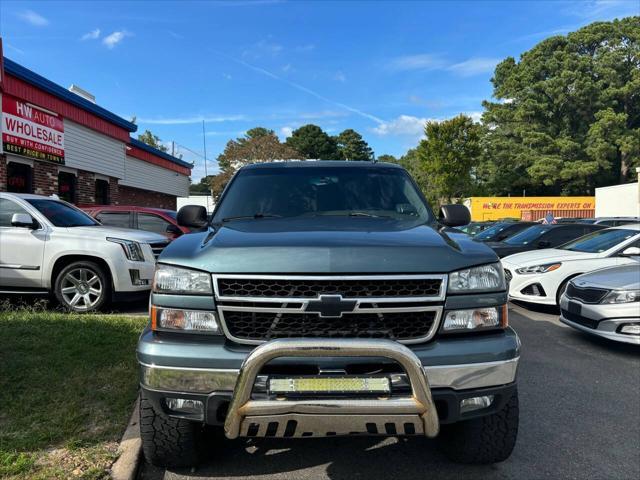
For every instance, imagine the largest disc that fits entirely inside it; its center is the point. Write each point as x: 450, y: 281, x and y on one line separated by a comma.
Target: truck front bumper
x: 221, y: 377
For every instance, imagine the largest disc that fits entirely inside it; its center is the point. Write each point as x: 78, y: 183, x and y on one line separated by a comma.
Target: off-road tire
x: 88, y: 266
x: 166, y: 441
x: 483, y: 440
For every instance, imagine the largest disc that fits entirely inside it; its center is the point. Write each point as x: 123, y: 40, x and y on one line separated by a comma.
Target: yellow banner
x: 496, y: 208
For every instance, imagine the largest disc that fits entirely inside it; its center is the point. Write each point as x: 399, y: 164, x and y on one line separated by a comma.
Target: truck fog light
x: 186, y: 406
x: 630, y: 329
x: 475, y: 403
x: 184, y: 320
x: 474, y: 319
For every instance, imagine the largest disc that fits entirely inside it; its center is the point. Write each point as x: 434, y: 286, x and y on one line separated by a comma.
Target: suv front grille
x: 586, y: 295
x: 157, y: 248
x: 258, y: 308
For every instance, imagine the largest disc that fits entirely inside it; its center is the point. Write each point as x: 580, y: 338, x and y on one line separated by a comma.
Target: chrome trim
x: 440, y: 297
x: 430, y: 334
x: 12, y: 266
x: 608, y: 332
x: 243, y: 411
x: 457, y: 377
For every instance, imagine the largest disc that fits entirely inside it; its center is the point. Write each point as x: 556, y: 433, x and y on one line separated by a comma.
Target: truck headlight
x: 622, y: 296
x: 547, y: 267
x: 168, y: 279
x: 475, y: 319
x: 132, y: 249
x: 477, y: 279
x: 201, y: 321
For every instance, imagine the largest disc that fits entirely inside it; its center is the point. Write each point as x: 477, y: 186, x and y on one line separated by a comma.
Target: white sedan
x: 541, y: 276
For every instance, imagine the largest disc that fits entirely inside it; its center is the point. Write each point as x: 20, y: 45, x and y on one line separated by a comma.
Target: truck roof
x: 319, y: 163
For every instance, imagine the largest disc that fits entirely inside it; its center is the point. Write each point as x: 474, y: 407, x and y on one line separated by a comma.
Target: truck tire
x: 167, y: 441
x: 482, y: 440
x: 82, y: 286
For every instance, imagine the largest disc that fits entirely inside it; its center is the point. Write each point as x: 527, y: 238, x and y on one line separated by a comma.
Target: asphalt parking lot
x: 579, y: 418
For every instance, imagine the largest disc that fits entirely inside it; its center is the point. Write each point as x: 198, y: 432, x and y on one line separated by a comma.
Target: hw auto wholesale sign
x: 31, y: 132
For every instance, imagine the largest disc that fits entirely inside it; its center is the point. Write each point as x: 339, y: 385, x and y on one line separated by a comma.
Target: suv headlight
x: 477, y: 279
x: 132, y: 249
x: 168, y: 279
x: 622, y: 296
x: 547, y: 267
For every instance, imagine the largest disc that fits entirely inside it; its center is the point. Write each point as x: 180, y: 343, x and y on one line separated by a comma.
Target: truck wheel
x: 82, y: 286
x: 166, y: 441
x: 482, y: 440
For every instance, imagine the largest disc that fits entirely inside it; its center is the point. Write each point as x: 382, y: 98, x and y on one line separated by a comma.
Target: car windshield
x: 491, y: 231
x: 323, y: 191
x: 527, y: 236
x: 62, y: 214
x: 599, y: 241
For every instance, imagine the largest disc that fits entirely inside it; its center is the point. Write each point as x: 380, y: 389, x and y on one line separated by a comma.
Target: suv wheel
x: 166, y: 441
x: 82, y: 287
x: 483, y: 440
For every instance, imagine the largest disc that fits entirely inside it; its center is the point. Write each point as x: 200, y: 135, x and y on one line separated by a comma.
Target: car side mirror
x: 454, y: 215
x: 173, y: 230
x: 192, y: 216
x: 631, y: 252
x: 23, y: 220
x: 544, y: 244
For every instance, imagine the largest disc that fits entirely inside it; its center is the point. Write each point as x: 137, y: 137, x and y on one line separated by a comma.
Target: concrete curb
x: 129, y: 450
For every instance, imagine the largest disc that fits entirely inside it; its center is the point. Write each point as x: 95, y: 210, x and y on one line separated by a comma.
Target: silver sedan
x: 605, y: 303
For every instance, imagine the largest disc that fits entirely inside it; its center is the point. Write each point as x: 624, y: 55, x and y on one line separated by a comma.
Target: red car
x: 156, y: 220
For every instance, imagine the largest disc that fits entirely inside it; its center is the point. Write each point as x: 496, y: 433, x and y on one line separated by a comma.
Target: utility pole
x: 173, y: 148
x: 204, y: 146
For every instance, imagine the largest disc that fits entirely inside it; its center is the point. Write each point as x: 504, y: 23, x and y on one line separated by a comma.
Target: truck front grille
x: 257, y: 308
x: 268, y: 326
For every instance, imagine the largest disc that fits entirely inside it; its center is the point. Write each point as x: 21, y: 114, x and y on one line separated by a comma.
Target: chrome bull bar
x: 415, y: 414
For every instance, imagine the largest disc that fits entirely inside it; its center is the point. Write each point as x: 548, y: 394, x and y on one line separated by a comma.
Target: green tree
x: 447, y: 158
x: 202, y: 187
x: 152, y: 140
x: 313, y: 142
x: 568, y: 115
x: 351, y: 146
x: 387, y: 158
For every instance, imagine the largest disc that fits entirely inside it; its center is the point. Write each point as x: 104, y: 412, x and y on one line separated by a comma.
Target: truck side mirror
x: 23, y: 220
x: 454, y: 215
x: 192, y: 216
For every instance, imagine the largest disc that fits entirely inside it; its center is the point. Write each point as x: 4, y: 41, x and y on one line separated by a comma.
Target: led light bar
x: 329, y: 385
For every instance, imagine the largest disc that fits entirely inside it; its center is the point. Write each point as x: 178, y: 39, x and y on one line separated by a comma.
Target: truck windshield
x: 323, y: 191
x: 61, y: 214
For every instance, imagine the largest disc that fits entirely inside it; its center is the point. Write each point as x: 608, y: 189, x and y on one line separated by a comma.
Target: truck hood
x: 331, y: 245
x: 102, y: 232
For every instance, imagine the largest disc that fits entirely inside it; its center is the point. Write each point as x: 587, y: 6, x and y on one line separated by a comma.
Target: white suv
x: 50, y: 246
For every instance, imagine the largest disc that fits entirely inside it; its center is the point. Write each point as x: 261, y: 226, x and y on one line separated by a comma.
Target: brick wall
x: 145, y: 198
x: 3, y: 173
x: 86, y: 188
x: 114, y: 191
x: 45, y: 178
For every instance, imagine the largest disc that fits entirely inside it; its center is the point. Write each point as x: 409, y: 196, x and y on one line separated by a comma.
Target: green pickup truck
x: 325, y: 298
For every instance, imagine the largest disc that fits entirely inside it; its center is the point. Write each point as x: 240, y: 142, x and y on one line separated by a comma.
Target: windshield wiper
x: 255, y: 216
x: 365, y: 214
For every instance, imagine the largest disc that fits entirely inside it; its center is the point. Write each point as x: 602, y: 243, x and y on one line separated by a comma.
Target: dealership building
x: 59, y: 141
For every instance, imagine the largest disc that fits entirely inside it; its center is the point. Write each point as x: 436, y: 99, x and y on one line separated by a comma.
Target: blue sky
x: 381, y: 68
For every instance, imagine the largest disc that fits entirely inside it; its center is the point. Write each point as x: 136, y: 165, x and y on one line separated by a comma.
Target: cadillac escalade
x: 325, y: 298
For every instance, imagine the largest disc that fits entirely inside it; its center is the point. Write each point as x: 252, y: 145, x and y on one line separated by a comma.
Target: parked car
x: 49, y: 246
x: 611, y: 221
x: 500, y: 231
x: 396, y: 327
x: 605, y: 303
x: 542, y: 236
x: 474, y: 228
x: 158, y: 220
x: 541, y: 276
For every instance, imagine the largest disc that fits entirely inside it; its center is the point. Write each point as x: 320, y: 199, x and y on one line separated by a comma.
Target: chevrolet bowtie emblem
x: 330, y: 306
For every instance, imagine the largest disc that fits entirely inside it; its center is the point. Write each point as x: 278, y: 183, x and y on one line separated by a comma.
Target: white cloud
x: 286, y: 132
x: 92, y: 35
x: 340, y: 76
x: 403, y: 125
x: 33, y: 18
x: 191, y: 119
x: 115, y: 38
x: 475, y: 116
x: 604, y: 9
x: 474, y: 66
x: 424, y: 61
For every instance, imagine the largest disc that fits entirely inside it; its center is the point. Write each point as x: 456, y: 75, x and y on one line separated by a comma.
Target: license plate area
x: 574, y: 308
x: 295, y: 386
